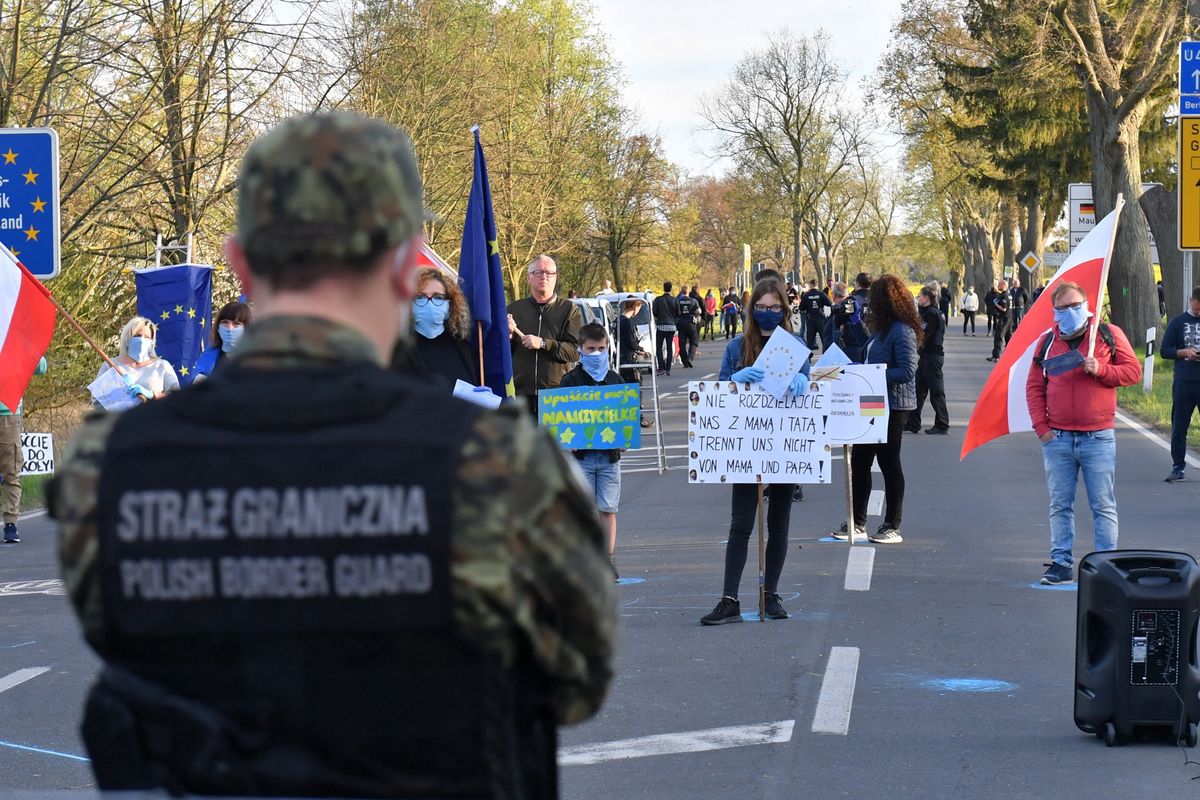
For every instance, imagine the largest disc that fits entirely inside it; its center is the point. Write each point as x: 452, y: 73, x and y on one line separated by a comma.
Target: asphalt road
x: 950, y: 677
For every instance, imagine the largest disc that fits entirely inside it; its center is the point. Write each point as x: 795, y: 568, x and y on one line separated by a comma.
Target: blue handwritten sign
x: 593, y: 417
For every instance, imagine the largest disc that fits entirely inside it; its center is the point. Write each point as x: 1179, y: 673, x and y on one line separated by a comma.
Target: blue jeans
x: 603, y: 477
x: 1065, y: 456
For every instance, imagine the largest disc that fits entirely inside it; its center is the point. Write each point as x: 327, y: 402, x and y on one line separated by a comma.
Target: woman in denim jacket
x: 895, y: 334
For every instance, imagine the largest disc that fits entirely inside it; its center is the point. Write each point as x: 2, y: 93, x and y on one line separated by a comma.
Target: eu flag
x: 179, y: 301
x: 482, y: 281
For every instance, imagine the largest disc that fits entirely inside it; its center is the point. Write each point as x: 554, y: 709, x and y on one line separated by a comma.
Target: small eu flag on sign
x: 179, y: 301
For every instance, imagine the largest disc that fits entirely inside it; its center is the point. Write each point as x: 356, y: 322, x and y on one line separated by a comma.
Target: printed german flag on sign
x: 871, y: 405
x: 1087, y: 208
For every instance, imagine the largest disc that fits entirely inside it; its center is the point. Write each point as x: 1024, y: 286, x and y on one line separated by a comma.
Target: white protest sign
x: 781, y: 358
x: 738, y: 433
x: 856, y: 399
x: 110, y: 391
x: 38, y: 450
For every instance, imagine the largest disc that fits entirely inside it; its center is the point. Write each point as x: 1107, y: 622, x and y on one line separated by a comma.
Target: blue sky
x: 673, y: 51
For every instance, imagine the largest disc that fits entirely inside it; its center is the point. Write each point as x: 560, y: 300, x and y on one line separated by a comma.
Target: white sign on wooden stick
x: 857, y: 402
x: 739, y: 433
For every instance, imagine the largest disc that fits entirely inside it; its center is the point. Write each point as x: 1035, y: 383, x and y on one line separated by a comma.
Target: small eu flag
x: 482, y: 281
x: 179, y: 301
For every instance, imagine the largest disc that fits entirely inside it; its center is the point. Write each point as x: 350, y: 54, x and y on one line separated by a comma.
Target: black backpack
x: 1048, y: 340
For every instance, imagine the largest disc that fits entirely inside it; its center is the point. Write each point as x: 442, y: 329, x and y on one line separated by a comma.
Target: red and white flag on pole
x: 1001, y: 408
x: 26, y: 326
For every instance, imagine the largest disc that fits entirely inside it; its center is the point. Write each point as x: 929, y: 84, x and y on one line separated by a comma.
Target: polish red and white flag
x: 1001, y: 408
x: 26, y: 326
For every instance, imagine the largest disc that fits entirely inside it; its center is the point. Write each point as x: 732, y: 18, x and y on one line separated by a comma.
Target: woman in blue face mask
x: 145, y: 374
x: 440, y: 347
x: 767, y: 314
x: 230, y: 323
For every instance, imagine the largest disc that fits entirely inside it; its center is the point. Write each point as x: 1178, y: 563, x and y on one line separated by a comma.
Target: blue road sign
x: 1189, y: 78
x: 29, y: 198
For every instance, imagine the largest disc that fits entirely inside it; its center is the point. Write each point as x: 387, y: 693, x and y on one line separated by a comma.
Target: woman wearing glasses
x: 441, y: 349
x: 767, y: 315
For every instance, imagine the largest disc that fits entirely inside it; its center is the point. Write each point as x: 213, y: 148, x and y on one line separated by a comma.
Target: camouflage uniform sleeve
x: 73, y: 501
x: 530, y: 563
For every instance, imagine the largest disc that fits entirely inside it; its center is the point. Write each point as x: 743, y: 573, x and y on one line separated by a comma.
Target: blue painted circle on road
x: 628, y: 581
x: 976, y: 685
x: 1054, y: 587
x: 752, y: 616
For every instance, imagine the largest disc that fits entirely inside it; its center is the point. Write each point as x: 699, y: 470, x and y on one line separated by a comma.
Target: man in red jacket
x: 1072, y: 401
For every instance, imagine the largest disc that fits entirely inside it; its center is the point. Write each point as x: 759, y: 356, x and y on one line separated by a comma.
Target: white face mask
x: 140, y: 348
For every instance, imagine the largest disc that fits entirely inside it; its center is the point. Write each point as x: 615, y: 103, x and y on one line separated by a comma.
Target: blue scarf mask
x: 595, y: 364
x: 139, y: 348
x: 230, y: 336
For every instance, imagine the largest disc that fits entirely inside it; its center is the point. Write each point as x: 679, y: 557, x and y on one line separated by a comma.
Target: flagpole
x: 479, y: 324
x: 66, y: 314
x: 1104, y: 275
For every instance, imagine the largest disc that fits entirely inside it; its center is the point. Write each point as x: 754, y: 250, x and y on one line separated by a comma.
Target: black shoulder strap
x: 1044, y: 348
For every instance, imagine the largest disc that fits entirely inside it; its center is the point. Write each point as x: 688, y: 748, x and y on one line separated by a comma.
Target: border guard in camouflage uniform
x: 309, y: 576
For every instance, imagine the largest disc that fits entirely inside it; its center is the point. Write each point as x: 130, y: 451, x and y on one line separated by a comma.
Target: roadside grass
x: 33, y: 492
x: 1155, y: 408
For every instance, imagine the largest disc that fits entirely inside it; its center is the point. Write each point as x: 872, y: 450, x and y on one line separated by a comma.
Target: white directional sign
x: 1081, y: 215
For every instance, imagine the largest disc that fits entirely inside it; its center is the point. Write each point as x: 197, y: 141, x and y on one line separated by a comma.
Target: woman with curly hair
x: 442, y: 348
x: 895, y: 334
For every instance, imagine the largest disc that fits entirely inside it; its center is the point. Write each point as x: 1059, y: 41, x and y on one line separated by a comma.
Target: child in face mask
x: 145, y: 374
x: 228, y: 327
x: 601, y: 468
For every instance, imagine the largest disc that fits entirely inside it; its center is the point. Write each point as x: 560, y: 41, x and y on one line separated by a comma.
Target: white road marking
x: 32, y: 514
x: 51, y: 586
x: 685, y: 742
x: 1154, y: 437
x: 664, y: 395
x: 710, y: 375
x: 837, y: 692
x: 875, y: 503
x: 859, y: 566
x: 20, y: 676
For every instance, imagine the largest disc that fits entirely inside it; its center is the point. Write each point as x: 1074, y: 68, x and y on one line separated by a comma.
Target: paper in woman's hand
x: 781, y: 358
x: 111, y: 391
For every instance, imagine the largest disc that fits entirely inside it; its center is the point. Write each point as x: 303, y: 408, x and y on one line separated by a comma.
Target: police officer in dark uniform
x: 685, y: 324
x: 931, y: 354
x: 1001, y: 308
x: 310, y: 576
x: 814, y: 302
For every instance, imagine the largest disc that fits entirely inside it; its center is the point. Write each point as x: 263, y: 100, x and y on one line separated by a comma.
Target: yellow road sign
x: 1030, y: 261
x: 1189, y: 183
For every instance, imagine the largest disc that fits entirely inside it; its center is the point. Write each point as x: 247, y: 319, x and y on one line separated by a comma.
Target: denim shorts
x: 604, y: 478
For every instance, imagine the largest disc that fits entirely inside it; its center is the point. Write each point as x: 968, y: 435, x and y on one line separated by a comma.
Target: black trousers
x: 1000, y: 335
x: 778, y: 505
x: 689, y: 342
x: 888, y: 456
x: 930, y: 383
x: 665, y: 341
x: 968, y: 316
x: 1185, y: 398
x: 709, y: 328
x: 814, y: 326
x: 731, y: 325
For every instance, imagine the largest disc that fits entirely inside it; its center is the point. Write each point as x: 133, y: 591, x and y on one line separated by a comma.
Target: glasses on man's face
x: 424, y: 300
x: 541, y: 273
x: 759, y: 307
x: 1070, y: 307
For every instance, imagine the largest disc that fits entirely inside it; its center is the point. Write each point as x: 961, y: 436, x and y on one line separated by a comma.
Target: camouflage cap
x: 329, y: 187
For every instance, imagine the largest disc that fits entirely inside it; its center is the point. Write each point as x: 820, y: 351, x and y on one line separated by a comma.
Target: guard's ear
x: 235, y: 256
x: 403, y: 270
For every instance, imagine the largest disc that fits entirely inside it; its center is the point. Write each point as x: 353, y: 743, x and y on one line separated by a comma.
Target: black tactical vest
x: 274, y: 557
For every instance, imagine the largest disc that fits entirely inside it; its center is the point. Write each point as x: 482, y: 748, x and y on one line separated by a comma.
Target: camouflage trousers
x: 12, y: 461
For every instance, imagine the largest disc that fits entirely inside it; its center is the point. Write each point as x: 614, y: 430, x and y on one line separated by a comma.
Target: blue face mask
x: 768, y: 320
x: 140, y: 347
x: 230, y: 336
x: 430, y: 319
x: 595, y: 364
x: 1070, y: 320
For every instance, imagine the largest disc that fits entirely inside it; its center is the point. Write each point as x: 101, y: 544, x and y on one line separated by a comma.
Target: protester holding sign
x: 12, y: 462
x: 767, y: 315
x: 896, y: 334
x: 146, y: 375
x: 442, y: 350
x: 601, y: 468
x: 231, y: 322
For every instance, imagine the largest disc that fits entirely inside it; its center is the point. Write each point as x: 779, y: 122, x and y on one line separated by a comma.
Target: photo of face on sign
x: 732, y: 387
x: 691, y: 436
x: 692, y: 475
x: 695, y: 398
x: 702, y: 386
x: 693, y: 418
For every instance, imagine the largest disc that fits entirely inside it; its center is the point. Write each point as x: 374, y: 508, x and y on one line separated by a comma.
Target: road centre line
x: 837, y: 692
x: 44, y: 751
x: 860, y: 563
x: 20, y: 676
x: 685, y: 742
x: 1154, y: 437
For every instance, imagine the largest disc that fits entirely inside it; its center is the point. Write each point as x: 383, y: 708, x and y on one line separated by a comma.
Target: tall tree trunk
x: 1160, y: 208
x: 797, y: 222
x: 1117, y: 169
x: 1032, y: 238
x: 1008, y: 234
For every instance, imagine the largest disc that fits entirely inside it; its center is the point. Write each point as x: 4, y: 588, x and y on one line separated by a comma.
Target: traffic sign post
x: 29, y: 221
